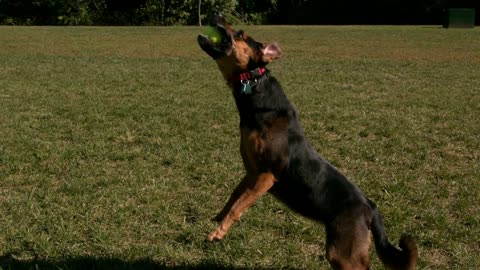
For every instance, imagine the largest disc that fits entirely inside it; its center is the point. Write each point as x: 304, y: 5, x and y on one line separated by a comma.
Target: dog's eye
x: 239, y: 34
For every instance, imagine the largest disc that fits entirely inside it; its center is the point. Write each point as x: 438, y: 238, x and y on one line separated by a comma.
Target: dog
x: 278, y: 159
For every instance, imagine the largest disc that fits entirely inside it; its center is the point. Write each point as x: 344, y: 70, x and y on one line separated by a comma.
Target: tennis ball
x: 213, y: 34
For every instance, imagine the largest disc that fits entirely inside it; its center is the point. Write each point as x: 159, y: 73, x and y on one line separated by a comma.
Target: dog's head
x: 235, y: 52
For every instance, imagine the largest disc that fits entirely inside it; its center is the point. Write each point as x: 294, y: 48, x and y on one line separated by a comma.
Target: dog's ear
x: 271, y: 51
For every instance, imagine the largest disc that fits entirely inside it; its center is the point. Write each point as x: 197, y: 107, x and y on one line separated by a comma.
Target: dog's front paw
x: 216, y: 235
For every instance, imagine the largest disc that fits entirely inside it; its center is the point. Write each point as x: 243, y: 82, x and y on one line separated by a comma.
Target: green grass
x: 117, y: 145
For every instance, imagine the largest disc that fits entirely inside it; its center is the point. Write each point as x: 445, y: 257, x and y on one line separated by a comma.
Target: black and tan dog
x: 278, y: 159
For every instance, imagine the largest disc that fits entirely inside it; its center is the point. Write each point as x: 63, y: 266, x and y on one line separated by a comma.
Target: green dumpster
x: 460, y: 18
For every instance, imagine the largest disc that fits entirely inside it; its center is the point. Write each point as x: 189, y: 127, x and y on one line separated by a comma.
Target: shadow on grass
x: 8, y: 262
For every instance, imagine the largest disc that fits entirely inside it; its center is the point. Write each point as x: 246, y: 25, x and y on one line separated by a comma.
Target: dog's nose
x: 219, y: 19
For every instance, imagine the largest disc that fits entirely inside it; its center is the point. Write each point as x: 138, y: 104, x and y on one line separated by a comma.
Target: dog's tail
x: 392, y: 257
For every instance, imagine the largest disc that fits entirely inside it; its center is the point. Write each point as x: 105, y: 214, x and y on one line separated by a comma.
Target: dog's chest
x: 265, y: 149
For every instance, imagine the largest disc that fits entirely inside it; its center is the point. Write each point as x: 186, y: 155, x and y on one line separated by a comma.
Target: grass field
x: 117, y: 145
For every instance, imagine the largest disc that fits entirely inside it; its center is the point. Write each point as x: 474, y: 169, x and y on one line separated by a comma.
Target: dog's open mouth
x: 218, y: 43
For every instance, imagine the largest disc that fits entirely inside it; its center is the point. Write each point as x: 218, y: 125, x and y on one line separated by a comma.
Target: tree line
x: 195, y: 12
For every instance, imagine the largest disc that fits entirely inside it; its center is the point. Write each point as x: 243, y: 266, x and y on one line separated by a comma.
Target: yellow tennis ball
x: 213, y: 34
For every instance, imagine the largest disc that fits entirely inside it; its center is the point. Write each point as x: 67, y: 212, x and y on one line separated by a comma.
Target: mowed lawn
x: 119, y: 144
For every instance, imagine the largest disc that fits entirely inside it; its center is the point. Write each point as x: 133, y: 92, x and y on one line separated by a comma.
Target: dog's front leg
x: 249, y: 190
x: 239, y: 190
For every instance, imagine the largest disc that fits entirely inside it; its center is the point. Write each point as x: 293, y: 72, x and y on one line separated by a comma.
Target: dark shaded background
x: 369, y: 11
x: 185, y: 12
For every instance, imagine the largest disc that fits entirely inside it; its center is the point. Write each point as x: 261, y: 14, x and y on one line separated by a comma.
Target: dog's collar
x: 250, y: 79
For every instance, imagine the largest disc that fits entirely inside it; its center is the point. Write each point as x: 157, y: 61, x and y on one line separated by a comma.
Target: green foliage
x: 74, y: 12
x: 186, y: 12
x: 139, y: 12
x: 160, y: 12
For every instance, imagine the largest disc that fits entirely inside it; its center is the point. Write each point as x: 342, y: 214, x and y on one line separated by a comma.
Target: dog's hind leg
x: 249, y: 190
x: 348, y: 242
